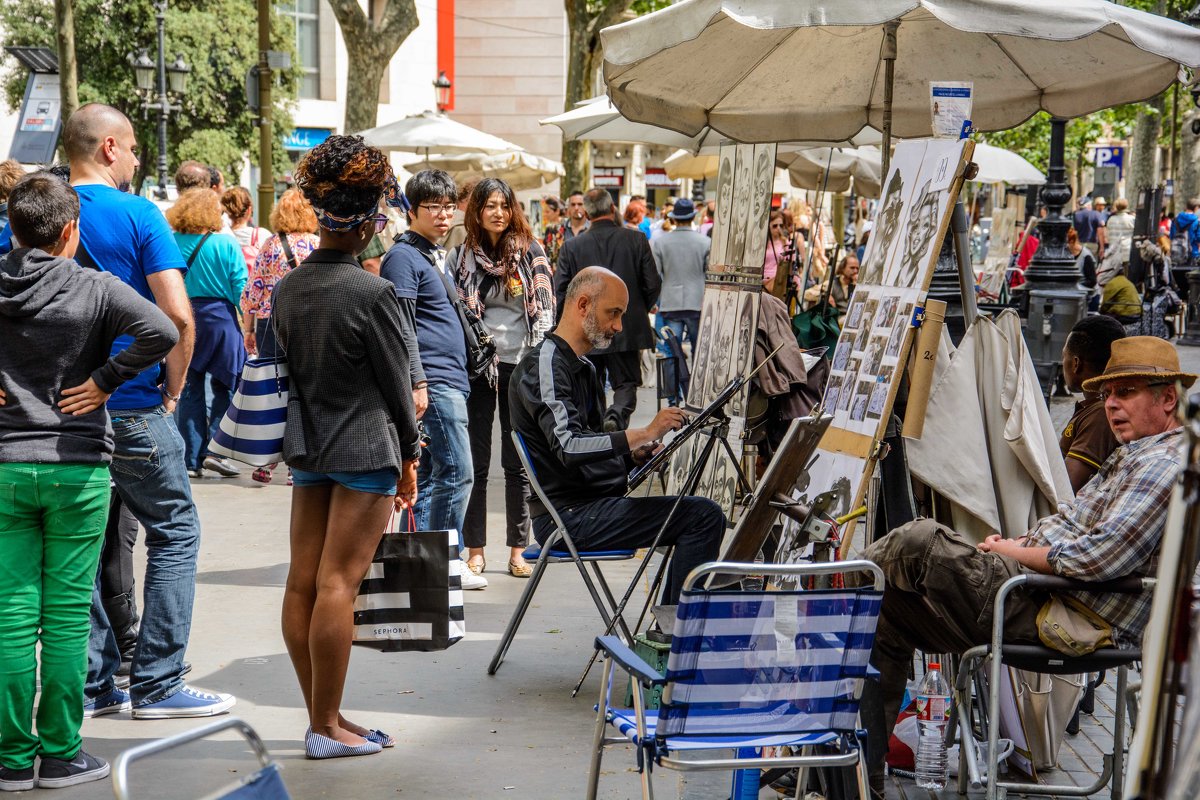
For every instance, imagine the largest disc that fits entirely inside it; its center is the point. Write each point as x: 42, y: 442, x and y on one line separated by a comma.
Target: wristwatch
x: 174, y: 398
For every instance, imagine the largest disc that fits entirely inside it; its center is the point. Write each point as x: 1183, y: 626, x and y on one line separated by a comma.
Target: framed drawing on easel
x: 879, y: 326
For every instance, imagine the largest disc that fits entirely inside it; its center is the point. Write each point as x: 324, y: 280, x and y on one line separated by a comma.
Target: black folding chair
x: 553, y: 553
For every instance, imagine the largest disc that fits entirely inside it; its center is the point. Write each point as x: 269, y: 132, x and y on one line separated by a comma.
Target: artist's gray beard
x: 591, y: 329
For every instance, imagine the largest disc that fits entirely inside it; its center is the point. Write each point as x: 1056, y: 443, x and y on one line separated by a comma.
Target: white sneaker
x: 469, y: 579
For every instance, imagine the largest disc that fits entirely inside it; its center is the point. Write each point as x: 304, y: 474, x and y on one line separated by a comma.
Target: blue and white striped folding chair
x: 265, y: 783
x: 252, y: 429
x: 750, y: 669
x: 554, y: 553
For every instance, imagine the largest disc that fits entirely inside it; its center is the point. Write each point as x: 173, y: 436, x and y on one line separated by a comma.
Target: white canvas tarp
x: 989, y: 446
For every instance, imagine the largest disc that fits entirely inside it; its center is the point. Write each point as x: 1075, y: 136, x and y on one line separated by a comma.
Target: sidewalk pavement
x: 459, y: 732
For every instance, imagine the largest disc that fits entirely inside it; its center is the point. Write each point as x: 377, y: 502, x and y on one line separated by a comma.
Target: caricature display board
x: 724, y: 350
x: 877, y: 330
x: 729, y: 312
x: 745, y: 178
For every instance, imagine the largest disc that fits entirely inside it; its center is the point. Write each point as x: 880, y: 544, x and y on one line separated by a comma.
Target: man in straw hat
x: 940, y: 588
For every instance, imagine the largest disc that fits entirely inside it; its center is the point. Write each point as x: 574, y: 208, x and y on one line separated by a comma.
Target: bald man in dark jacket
x: 626, y: 252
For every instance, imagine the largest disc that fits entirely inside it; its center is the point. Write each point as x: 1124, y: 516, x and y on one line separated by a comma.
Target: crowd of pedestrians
x: 139, y: 322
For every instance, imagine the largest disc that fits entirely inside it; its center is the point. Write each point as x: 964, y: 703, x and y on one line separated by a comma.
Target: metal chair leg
x: 598, y: 738
x: 612, y: 601
x: 864, y: 791
x: 514, y: 622
x: 1118, y: 756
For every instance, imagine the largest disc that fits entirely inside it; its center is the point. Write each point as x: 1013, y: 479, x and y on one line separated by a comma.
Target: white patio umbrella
x: 518, y: 168
x: 824, y: 69
x: 997, y: 165
x: 686, y: 164
x: 598, y: 120
x: 807, y: 169
x: 429, y: 132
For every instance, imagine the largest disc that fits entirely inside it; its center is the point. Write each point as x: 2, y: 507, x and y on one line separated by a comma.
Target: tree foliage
x: 217, y: 38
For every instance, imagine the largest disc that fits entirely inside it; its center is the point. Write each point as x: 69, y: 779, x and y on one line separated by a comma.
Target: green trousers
x: 52, y: 519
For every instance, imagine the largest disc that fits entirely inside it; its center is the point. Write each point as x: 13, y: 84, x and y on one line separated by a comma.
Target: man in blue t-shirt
x: 127, y: 236
x: 416, y: 267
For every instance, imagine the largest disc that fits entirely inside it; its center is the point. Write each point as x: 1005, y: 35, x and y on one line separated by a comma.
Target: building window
x: 304, y: 14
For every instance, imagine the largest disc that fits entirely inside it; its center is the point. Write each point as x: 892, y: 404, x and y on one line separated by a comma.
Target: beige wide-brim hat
x: 1146, y: 357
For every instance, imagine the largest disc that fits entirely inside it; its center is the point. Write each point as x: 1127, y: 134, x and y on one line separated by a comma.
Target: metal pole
x: 1053, y: 262
x: 160, y: 15
x: 889, y: 81
x: 960, y: 227
x: 1171, y: 158
x: 266, y: 183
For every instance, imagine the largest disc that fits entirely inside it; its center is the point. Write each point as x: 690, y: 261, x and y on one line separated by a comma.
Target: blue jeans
x: 197, y: 418
x: 444, y: 476
x: 680, y: 322
x: 152, y: 480
x: 683, y: 322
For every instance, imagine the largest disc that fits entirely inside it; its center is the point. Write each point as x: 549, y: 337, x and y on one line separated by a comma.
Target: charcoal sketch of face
x: 743, y: 188
x: 697, y: 395
x: 922, y: 226
x: 764, y: 180
x: 886, y: 222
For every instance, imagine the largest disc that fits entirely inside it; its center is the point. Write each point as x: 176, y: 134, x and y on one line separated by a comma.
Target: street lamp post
x: 155, y: 79
x: 441, y: 92
x: 1055, y: 301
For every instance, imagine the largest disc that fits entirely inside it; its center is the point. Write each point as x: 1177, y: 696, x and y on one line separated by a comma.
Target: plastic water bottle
x: 933, y: 714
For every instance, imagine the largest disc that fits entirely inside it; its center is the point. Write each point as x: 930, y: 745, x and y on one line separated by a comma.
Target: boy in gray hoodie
x: 57, y: 325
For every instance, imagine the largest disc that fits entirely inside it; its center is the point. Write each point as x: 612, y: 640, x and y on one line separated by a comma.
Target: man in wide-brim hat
x: 940, y: 589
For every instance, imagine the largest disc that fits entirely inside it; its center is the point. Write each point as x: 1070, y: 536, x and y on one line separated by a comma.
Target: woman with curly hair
x: 215, y: 278
x: 351, y: 437
x: 503, y: 275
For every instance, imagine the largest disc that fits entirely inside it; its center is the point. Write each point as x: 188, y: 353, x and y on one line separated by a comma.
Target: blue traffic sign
x: 1109, y: 157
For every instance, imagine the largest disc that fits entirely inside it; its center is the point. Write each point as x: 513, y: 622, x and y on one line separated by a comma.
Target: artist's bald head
x: 593, y: 307
x: 100, y: 144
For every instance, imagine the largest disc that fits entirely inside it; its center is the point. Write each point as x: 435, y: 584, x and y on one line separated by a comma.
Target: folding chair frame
x: 1036, y: 658
x: 120, y: 770
x: 619, y: 654
x: 606, y: 604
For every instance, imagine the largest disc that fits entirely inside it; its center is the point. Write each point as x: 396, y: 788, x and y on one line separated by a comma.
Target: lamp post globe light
x: 441, y: 90
x: 156, y: 82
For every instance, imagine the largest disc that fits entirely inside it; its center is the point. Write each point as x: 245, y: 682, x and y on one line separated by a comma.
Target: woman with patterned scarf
x: 502, y: 275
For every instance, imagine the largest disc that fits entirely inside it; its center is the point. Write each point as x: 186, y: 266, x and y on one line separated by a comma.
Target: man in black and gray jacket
x: 558, y: 407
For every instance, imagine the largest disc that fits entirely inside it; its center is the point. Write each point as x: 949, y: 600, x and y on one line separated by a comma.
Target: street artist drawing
x: 558, y: 410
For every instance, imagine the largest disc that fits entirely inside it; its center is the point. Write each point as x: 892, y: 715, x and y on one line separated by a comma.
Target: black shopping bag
x: 411, y: 597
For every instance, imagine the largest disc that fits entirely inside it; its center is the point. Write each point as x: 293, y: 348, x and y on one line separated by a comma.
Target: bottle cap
x: 935, y: 665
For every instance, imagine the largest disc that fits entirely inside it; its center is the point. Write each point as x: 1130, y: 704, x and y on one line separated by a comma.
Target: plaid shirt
x: 1114, y: 529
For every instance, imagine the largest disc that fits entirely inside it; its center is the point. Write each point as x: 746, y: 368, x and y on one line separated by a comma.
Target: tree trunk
x: 367, y: 65
x: 1144, y: 149
x: 580, y: 69
x: 370, y: 46
x: 583, y: 59
x: 1188, y: 184
x: 68, y: 78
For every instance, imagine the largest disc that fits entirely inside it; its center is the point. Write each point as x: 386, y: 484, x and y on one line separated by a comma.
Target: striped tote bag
x: 252, y: 429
